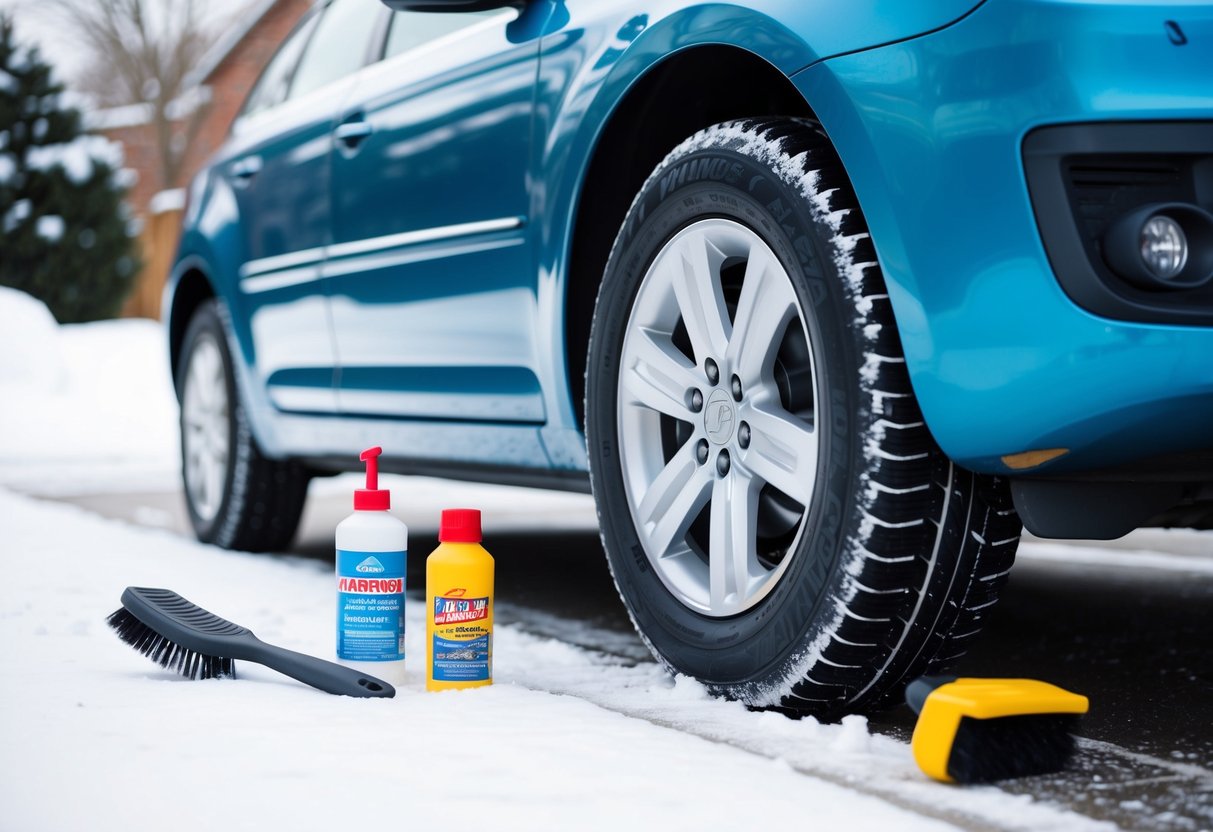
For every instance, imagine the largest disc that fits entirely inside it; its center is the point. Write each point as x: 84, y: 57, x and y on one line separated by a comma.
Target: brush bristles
x: 985, y: 750
x: 167, y: 653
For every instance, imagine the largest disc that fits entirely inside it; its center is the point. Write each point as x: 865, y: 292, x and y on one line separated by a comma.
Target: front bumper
x: 931, y: 131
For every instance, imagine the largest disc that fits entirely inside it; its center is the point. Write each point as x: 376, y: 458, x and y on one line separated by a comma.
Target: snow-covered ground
x: 137, y: 745
x: 94, y: 736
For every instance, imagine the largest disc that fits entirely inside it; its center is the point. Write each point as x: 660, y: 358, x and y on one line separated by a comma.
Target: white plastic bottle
x: 372, y: 547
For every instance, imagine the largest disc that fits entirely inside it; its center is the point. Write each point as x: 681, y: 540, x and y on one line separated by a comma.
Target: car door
x: 430, y: 274
x: 279, y: 170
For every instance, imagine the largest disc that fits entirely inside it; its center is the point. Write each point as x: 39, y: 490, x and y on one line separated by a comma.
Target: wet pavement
x: 1137, y: 641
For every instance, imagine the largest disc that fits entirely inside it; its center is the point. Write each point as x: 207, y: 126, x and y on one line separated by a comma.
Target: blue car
x: 822, y: 300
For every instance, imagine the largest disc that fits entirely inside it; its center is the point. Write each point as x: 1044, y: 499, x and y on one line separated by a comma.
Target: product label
x: 462, y: 648
x: 459, y: 610
x: 370, y: 606
x: 462, y: 660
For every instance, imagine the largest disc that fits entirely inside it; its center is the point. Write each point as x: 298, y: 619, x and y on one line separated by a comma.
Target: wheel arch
x: 651, y: 119
x: 189, y: 287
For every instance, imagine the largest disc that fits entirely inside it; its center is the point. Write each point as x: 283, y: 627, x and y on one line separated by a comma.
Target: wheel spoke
x: 783, y: 452
x: 695, y: 274
x: 218, y: 446
x: 674, y: 499
x: 203, y: 369
x: 191, y: 398
x: 657, y: 374
x: 210, y: 481
x: 733, y: 556
x: 764, y: 308
x: 191, y: 416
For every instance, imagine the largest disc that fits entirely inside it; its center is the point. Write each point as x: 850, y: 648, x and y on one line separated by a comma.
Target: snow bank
x: 30, y: 355
x: 85, y: 405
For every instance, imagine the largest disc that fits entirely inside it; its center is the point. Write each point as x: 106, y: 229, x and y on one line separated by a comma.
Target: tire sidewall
x: 757, y: 646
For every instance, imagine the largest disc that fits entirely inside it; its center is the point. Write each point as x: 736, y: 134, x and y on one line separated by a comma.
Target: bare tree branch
x: 141, y: 52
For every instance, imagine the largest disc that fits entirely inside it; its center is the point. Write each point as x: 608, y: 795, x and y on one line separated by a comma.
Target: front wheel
x: 777, y: 517
x: 237, y: 498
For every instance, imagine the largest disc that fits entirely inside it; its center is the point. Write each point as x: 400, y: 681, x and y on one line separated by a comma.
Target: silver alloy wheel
x: 205, y: 425
x: 729, y: 433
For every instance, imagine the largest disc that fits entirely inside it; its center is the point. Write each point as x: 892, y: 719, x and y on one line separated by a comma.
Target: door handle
x: 246, y: 168
x: 351, y: 133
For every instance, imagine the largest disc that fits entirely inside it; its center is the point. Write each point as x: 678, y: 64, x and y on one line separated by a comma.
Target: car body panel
x: 430, y: 274
x: 930, y: 130
x: 461, y: 339
x: 284, y: 211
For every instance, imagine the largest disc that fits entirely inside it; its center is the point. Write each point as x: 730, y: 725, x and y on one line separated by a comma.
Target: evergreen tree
x: 63, y: 228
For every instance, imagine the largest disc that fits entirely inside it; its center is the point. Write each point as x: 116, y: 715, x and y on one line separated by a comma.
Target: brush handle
x: 326, y: 676
x: 922, y: 687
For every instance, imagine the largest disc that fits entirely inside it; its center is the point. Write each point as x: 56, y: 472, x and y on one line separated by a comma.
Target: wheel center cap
x: 719, y: 417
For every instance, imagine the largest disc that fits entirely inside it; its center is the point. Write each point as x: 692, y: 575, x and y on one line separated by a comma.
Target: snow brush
x: 982, y: 730
x: 198, y: 644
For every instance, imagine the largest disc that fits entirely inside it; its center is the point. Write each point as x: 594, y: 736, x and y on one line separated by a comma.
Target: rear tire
x: 237, y: 498
x: 833, y: 553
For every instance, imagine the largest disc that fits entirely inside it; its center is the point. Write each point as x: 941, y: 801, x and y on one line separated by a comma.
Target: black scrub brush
x: 198, y: 644
x: 981, y: 730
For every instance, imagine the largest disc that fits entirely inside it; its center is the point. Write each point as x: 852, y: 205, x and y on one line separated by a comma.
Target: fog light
x: 1164, y: 248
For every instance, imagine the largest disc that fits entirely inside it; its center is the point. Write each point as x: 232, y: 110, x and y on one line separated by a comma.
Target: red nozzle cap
x: 460, y: 525
x: 372, y: 498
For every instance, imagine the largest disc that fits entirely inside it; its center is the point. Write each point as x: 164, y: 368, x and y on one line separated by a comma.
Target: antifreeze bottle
x: 459, y: 601
x: 372, y: 547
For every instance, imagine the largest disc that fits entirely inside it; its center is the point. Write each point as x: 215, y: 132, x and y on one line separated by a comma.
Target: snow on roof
x: 170, y: 200
x: 229, y: 41
x: 128, y: 115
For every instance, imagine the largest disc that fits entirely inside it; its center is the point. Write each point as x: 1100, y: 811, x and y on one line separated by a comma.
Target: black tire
x: 901, y: 553
x: 261, y: 499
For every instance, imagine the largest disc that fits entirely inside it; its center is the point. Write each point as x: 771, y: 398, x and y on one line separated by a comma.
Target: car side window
x: 339, y: 46
x: 275, y: 80
x: 412, y: 29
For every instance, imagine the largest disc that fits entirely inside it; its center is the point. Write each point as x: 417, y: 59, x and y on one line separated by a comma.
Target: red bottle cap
x: 460, y: 525
x: 372, y: 498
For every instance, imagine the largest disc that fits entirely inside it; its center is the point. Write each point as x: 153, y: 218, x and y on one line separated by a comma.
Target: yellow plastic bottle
x: 459, y: 600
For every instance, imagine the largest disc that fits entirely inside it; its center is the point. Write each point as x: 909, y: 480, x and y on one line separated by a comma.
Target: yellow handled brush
x: 981, y: 730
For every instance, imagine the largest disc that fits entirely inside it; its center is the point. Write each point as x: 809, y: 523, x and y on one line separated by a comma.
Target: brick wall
x: 140, y: 155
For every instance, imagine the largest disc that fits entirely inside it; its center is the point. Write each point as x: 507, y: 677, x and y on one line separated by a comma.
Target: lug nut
x: 743, y: 435
x: 695, y: 401
x: 712, y: 370
x: 701, y: 451
x: 736, y: 389
x: 722, y: 463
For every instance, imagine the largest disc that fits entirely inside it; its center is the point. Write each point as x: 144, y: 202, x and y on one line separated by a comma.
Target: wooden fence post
x: 158, y: 245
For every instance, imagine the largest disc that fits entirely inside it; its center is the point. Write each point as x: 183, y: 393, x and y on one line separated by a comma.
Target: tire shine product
x: 459, y: 600
x: 372, y: 547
